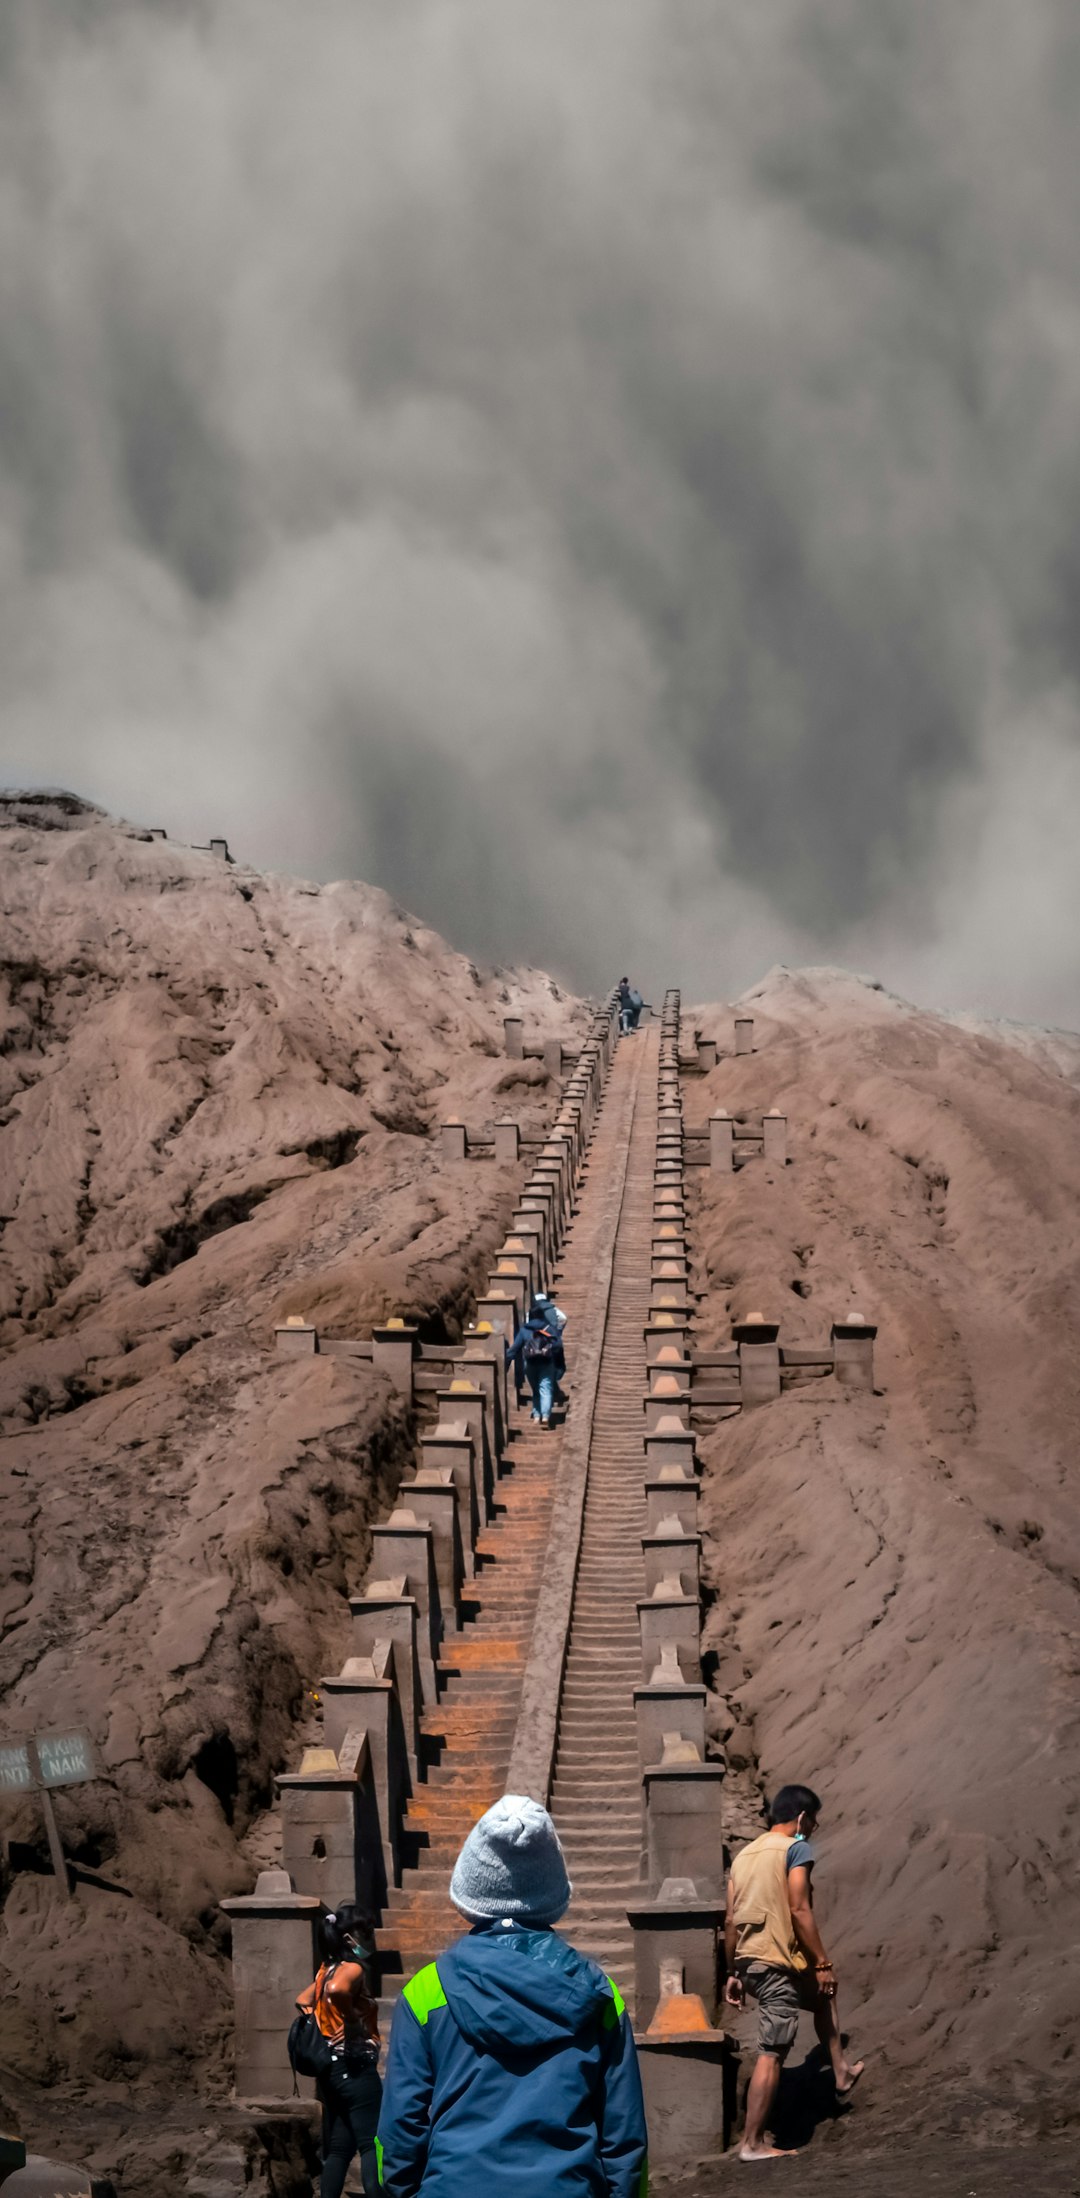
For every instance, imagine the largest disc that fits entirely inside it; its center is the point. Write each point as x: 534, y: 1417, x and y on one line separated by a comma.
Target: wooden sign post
x: 49, y: 1759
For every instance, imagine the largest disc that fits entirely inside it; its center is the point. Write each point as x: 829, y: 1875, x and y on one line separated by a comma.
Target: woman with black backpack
x: 341, y: 2048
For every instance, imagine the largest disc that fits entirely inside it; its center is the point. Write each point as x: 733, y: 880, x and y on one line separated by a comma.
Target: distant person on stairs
x: 537, y: 1352
x: 630, y: 1006
x: 775, y: 1952
x: 343, y: 2004
x: 512, y: 2070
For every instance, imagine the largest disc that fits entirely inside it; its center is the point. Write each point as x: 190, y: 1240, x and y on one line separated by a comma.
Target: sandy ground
x: 216, y: 1097
x: 895, y: 1579
x: 216, y: 1103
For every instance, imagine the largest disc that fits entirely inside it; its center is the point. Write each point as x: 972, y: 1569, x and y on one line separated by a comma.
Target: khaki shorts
x: 782, y: 1995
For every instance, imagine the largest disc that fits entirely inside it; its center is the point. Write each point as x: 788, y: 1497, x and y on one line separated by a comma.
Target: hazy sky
x: 609, y: 474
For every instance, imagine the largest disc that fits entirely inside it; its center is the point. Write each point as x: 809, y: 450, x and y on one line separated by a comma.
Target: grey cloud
x: 612, y: 478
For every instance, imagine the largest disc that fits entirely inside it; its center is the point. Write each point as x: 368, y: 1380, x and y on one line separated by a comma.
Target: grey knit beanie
x: 512, y: 1865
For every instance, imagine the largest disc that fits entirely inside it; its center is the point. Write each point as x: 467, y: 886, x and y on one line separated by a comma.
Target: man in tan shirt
x: 774, y: 1951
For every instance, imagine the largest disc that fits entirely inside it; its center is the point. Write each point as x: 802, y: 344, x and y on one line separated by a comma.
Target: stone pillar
x: 553, y: 1057
x: 455, y: 1143
x: 668, y: 1618
x: 683, y: 2062
x: 706, y: 1054
x: 668, y: 1704
x: 296, y: 1337
x: 384, y: 1611
x: 721, y: 1142
x: 670, y: 1364
x: 432, y: 1497
x: 332, y: 1842
x: 671, y: 1493
x: 744, y: 1033
x: 507, y: 1143
x: 363, y: 1698
x: 527, y: 1230
x: 670, y: 1553
x: 774, y: 1132
x: 274, y: 1953
x: 521, y: 1258
x: 676, y: 1925
x: 449, y: 1449
x: 684, y: 1831
x: 483, y: 1367
x: 667, y: 1427
x: 505, y: 1277
x: 853, y: 1351
x: 759, y: 1359
x: 401, y: 1545
x: 220, y: 848
x: 393, y: 1349
x: 514, y: 1031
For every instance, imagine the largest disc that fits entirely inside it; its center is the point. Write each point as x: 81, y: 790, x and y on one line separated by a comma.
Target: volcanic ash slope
x: 897, y: 1576
x: 217, y: 1096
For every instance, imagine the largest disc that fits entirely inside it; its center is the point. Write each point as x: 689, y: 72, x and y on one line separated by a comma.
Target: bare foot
x: 852, y: 2072
x: 765, y: 2152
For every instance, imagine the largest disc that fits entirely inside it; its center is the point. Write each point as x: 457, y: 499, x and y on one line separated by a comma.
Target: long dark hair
x: 346, y: 1934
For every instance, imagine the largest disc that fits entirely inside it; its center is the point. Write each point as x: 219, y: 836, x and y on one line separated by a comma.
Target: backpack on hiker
x: 541, y: 1347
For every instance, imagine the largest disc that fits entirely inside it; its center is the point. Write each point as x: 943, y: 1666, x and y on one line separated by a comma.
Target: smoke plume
x: 610, y: 475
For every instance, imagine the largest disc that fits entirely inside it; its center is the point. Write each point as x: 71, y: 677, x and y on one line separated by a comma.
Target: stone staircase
x: 596, y: 1796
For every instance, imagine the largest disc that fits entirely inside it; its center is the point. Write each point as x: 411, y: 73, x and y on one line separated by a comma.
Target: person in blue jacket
x: 537, y: 1353
x: 512, y: 2065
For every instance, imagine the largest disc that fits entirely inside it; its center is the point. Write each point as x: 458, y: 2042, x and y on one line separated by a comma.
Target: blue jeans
x: 542, y: 1384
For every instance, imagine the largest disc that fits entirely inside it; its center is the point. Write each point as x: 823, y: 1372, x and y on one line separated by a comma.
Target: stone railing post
x: 363, y: 1698
x: 297, y: 1337
x: 744, y: 1033
x: 683, y: 1818
x: 332, y: 1842
x: 759, y: 1359
x: 676, y: 1925
x: 665, y: 1705
x: 706, y: 1054
x: 670, y: 1619
x: 672, y: 1493
x: 401, y: 1545
x: 514, y: 1033
x: 669, y: 1553
x: 449, y: 1449
x: 273, y: 1946
x: 454, y: 1139
x: 774, y: 1133
x: 383, y: 1611
x: 432, y: 1497
x: 721, y: 1142
x: 684, y: 2067
x: 393, y: 1349
x: 507, y: 1143
x: 853, y: 1351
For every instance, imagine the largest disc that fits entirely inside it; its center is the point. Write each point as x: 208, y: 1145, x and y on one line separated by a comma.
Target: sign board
x: 36, y: 1766
x: 65, y: 1758
x: 50, y: 1759
x: 16, y: 1773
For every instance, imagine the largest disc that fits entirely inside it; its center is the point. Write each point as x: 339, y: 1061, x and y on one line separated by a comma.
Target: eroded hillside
x: 217, y: 1094
x: 897, y: 1577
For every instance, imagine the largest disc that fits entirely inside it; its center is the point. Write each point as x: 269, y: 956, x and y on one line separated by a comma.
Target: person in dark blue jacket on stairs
x: 512, y: 2065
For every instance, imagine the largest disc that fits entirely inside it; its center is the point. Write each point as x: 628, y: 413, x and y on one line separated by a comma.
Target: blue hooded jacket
x: 512, y: 2066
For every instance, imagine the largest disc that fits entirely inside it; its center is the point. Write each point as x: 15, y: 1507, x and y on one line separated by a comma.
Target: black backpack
x: 309, y: 2051
x: 541, y: 1346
